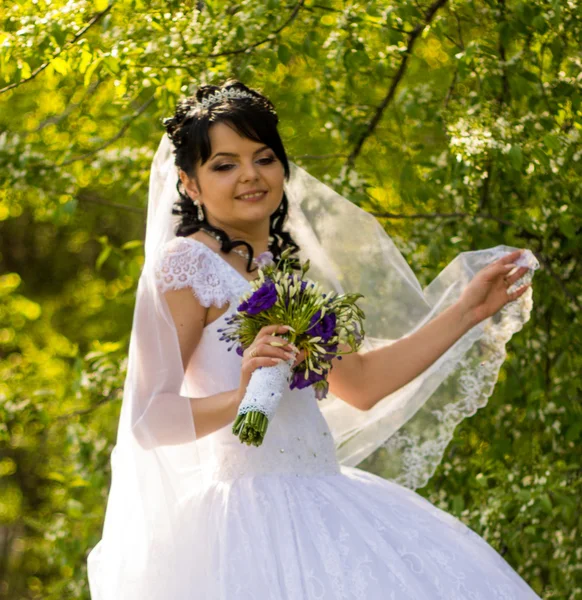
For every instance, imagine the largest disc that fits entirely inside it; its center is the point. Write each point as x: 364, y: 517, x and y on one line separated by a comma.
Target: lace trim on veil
x: 411, y: 456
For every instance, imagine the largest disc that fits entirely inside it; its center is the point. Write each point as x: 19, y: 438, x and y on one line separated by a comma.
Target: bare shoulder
x: 189, y: 317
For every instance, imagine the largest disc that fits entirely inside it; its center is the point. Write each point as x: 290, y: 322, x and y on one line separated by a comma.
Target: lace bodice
x: 186, y: 262
x: 298, y: 439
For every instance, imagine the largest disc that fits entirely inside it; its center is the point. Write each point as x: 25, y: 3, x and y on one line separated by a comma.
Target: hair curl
x: 254, y: 118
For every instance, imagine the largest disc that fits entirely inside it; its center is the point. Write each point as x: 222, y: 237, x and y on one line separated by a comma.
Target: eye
x: 225, y: 167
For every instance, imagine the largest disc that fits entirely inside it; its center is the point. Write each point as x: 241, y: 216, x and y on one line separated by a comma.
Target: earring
x: 200, y: 211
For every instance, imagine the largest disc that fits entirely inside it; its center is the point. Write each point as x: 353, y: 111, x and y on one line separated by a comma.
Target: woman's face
x: 237, y: 165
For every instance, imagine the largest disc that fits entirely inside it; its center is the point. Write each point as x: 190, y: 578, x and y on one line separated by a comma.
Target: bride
x: 193, y: 513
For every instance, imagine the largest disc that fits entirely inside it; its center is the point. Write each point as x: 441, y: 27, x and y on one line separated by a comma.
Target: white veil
x: 158, y: 465
x: 350, y: 252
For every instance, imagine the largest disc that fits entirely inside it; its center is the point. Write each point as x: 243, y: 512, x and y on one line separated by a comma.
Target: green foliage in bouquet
x: 319, y: 323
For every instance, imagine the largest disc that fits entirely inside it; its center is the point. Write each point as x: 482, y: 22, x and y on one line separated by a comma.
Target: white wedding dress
x: 285, y: 521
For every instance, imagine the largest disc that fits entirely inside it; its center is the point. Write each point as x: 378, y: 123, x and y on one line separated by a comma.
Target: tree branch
x: 110, y: 141
x: 84, y: 411
x: 54, y: 119
x: 412, y: 37
x: 85, y: 197
x: 547, y: 266
x: 451, y: 87
x: 502, y: 99
x: 438, y: 215
x: 74, y: 40
x: 265, y: 40
x: 359, y: 19
x: 541, y: 78
x: 539, y: 254
x: 317, y: 156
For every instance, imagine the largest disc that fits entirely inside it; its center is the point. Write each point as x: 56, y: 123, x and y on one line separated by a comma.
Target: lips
x: 250, y: 192
x: 258, y: 195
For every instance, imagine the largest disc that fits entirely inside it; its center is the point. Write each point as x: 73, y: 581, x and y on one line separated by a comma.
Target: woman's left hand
x: 487, y: 291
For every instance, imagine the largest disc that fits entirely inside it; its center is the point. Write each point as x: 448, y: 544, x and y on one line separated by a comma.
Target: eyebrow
x: 234, y: 153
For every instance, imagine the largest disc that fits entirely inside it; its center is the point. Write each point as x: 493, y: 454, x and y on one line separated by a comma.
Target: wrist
x: 465, y: 317
x: 237, y: 397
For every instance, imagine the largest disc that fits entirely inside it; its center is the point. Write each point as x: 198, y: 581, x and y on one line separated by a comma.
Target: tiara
x: 220, y: 95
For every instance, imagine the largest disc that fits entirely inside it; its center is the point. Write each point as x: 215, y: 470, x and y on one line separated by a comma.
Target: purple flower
x: 328, y: 357
x: 325, y: 328
x: 265, y: 259
x: 298, y: 381
x: 262, y: 299
x: 239, y: 350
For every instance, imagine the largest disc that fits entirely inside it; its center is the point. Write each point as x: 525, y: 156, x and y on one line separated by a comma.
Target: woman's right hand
x: 266, y: 354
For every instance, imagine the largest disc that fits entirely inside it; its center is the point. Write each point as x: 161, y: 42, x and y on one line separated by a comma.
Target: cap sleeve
x: 188, y: 263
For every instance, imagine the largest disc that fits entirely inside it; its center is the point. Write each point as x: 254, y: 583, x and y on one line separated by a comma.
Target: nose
x: 249, y: 171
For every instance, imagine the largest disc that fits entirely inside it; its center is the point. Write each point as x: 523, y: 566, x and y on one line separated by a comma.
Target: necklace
x: 240, y: 252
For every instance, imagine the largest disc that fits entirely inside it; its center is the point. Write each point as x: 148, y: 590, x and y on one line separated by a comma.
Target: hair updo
x: 254, y: 118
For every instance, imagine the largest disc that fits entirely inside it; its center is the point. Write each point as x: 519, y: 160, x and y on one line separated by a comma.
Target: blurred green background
x: 456, y: 123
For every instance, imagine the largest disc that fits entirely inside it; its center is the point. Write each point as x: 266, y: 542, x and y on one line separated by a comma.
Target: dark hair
x: 254, y: 118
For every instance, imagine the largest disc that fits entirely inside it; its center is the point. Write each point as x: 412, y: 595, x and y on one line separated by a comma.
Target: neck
x: 257, y: 237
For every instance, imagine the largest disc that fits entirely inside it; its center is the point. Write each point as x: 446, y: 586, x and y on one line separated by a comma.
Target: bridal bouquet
x: 318, y: 323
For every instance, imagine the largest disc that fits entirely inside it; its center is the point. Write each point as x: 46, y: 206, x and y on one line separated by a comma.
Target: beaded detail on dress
x: 297, y: 442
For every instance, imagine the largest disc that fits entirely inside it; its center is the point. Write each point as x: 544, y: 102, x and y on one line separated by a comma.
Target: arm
x: 388, y: 369
x: 364, y: 379
x: 385, y: 370
x: 211, y: 412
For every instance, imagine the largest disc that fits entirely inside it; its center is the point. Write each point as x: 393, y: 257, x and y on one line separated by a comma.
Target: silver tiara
x: 221, y: 95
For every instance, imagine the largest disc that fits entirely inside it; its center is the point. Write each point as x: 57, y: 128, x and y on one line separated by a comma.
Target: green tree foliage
x: 457, y: 123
